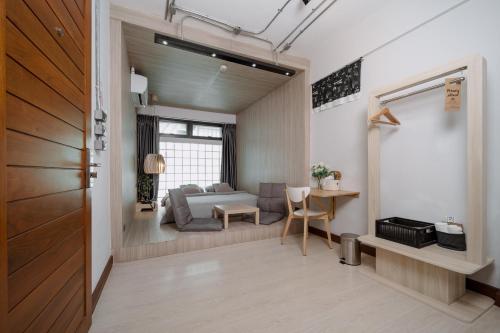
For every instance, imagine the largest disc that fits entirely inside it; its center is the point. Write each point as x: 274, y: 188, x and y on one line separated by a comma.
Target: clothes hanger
x: 387, y: 114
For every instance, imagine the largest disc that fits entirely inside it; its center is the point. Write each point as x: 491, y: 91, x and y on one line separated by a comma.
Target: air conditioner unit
x: 139, y: 88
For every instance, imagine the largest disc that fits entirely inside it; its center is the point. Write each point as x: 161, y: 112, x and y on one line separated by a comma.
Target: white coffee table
x: 229, y: 209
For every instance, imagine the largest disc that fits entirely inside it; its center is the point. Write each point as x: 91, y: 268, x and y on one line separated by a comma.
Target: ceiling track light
x: 219, y: 54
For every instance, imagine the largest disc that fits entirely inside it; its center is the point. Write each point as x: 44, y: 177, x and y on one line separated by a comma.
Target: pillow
x: 191, y: 188
x: 180, y: 206
x: 210, y: 188
x: 223, y: 187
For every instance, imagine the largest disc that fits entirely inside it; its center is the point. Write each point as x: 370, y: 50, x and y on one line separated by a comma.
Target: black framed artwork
x: 337, y: 88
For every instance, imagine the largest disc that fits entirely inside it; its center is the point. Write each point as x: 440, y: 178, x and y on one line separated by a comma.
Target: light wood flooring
x: 262, y: 286
x: 146, y: 229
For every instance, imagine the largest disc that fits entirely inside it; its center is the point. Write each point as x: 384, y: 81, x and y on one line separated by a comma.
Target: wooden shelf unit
x: 435, y: 255
x: 435, y: 275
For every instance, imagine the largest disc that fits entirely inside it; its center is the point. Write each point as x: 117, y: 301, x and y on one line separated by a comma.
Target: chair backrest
x: 296, y: 195
x: 272, y: 197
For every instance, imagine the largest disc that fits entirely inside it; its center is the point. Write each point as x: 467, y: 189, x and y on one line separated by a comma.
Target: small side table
x: 230, y: 209
x: 145, y: 207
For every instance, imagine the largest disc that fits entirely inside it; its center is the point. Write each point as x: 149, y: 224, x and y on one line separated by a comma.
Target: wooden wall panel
x: 48, y: 316
x: 67, y: 22
x: 50, y: 21
x: 27, y: 55
x: 23, y: 150
x: 45, y: 126
x: 25, y: 312
x: 23, y: 183
x: 272, y: 138
x: 3, y: 177
x: 27, y: 246
x: 26, y: 118
x: 25, y: 279
x: 27, y: 214
x: 26, y: 21
x: 28, y: 87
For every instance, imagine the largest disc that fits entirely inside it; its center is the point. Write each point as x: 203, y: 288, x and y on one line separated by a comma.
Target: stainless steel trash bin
x: 350, y: 252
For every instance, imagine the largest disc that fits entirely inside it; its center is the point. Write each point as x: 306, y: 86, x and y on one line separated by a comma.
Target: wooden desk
x: 318, y: 194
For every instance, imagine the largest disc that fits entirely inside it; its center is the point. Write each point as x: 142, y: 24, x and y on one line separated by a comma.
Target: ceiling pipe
x: 172, y: 8
x: 298, y: 25
x: 289, y: 44
x: 193, y: 17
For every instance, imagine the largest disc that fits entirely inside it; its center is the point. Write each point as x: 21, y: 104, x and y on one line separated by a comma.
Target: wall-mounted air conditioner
x: 139, y: 88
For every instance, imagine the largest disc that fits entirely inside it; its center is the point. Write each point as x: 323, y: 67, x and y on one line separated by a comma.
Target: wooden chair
x: 298, y: 195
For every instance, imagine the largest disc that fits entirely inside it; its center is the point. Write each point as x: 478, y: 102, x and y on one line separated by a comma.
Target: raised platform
x: 435, y: 255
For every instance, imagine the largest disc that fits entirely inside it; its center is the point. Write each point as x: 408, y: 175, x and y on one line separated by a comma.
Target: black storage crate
x: 404, y: 231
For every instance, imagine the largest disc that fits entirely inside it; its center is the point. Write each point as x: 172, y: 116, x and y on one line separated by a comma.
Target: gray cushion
x: 191, y: 188
x: 180, y: 206
x: 267, y: 218
x: 203, y: 224
x: 272, y: 197
x: 223, y: 187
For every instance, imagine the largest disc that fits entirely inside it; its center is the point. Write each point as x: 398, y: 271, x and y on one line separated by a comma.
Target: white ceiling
x: 253, y: 15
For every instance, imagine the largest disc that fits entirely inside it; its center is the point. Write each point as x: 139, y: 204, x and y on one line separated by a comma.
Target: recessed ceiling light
x: 164, y: 42
x: 287, y: 73
x: 254, y: 65
x: 214, y: 55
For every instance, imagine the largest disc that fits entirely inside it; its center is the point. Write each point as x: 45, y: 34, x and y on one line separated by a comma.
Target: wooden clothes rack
x: 434, y: 275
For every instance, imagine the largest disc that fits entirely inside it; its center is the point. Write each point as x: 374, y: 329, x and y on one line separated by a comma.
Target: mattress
x: 201, y: 204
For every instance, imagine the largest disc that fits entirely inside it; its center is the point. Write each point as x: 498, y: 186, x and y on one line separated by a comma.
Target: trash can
x: 350, y: 252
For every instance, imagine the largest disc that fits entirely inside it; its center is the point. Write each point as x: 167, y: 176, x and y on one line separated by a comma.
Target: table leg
x: 226, y: 220
x: 257, y: 217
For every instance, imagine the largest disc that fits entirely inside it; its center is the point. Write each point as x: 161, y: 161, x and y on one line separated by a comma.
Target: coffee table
x: 229, y: 209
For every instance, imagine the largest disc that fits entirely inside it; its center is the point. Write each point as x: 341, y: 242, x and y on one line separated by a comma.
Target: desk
x: 318, y: 194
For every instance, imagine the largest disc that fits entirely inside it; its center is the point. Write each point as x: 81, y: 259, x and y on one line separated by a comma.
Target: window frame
x: 190, y: 124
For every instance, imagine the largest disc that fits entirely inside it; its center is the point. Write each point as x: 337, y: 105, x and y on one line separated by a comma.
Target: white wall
x: 188, y: 114
x: 101, y: 217
x: 339, y: 135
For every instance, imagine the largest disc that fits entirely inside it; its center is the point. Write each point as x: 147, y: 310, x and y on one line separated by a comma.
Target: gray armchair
x: 183, y: 218
x: 271, y: 202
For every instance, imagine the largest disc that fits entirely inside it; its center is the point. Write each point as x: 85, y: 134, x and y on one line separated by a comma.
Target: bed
x: 201, y: 204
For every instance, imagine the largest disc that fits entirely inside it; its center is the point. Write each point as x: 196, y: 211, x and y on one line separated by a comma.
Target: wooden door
x: 44, y: 126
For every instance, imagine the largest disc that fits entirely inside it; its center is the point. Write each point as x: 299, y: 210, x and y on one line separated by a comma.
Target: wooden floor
x: 146, y: 229
x: 262, y: 286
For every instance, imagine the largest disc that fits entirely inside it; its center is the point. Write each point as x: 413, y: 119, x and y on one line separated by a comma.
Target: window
x: 189, y: 162
x: 189, y: 129
x: 207, y: 131
x: 175, y: 128
x: 192, y: 153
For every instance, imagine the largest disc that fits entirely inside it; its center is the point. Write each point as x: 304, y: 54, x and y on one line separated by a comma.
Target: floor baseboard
x: 478, y: 287
x: 102, y: 281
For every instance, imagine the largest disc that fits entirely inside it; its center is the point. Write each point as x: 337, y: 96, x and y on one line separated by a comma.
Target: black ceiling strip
x: 219, y: 54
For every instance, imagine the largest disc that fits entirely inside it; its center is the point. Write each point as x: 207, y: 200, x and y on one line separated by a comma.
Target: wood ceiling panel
x: 189, y: 80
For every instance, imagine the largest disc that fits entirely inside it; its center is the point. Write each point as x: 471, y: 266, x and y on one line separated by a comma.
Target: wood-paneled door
x: 45, y: 220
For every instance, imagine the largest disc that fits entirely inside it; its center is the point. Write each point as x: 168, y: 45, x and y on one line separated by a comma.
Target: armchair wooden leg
x: 304, y: 242
x: 285, y: 229
x: 327, y: 229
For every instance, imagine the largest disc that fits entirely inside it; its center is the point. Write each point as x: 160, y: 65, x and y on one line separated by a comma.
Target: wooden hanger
x: 386, y: 113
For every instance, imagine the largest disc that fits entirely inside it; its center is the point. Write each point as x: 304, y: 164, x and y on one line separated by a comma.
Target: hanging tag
x: 452, y: 88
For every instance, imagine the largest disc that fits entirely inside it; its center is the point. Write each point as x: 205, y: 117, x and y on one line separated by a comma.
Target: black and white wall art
x: 337, y: 88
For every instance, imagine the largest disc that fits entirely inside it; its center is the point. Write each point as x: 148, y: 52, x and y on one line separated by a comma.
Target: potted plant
x: 144, y: 185
x: 319, y: 172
